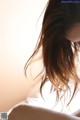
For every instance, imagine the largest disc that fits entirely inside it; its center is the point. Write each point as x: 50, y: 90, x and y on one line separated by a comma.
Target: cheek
x: 73, y: 34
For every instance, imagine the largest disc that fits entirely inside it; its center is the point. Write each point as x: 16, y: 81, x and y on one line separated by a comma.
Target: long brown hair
x: 57, y: 52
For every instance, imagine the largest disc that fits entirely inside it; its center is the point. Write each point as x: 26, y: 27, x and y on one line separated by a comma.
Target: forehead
x: 73, y: 33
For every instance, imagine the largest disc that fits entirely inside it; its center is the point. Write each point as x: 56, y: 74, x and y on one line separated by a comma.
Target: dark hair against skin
x: 57, y: 52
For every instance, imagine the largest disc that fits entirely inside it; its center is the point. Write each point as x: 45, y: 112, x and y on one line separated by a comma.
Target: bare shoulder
x: 17, y: 113
x: 26, y: 112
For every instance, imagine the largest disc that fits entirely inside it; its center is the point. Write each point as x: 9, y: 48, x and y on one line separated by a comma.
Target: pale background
x: 18, y: 35
x: 19, y: 31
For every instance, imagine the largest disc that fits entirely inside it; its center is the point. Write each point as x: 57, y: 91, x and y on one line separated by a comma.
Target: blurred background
x: 20, y: 24
x: 18, y: 35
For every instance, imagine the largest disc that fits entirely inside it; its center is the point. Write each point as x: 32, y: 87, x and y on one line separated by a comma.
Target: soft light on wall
x: 18, y: 36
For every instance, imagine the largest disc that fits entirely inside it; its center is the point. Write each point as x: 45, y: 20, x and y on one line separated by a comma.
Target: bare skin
x: 77, y: 113
x: 73, y: 34
x: 25, y: 112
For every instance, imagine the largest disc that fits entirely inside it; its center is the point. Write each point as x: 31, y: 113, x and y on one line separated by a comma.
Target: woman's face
x: 73, y: 34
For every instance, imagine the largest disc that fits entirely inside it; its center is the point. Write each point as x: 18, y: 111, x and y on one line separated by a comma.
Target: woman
x: 58, y: 49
